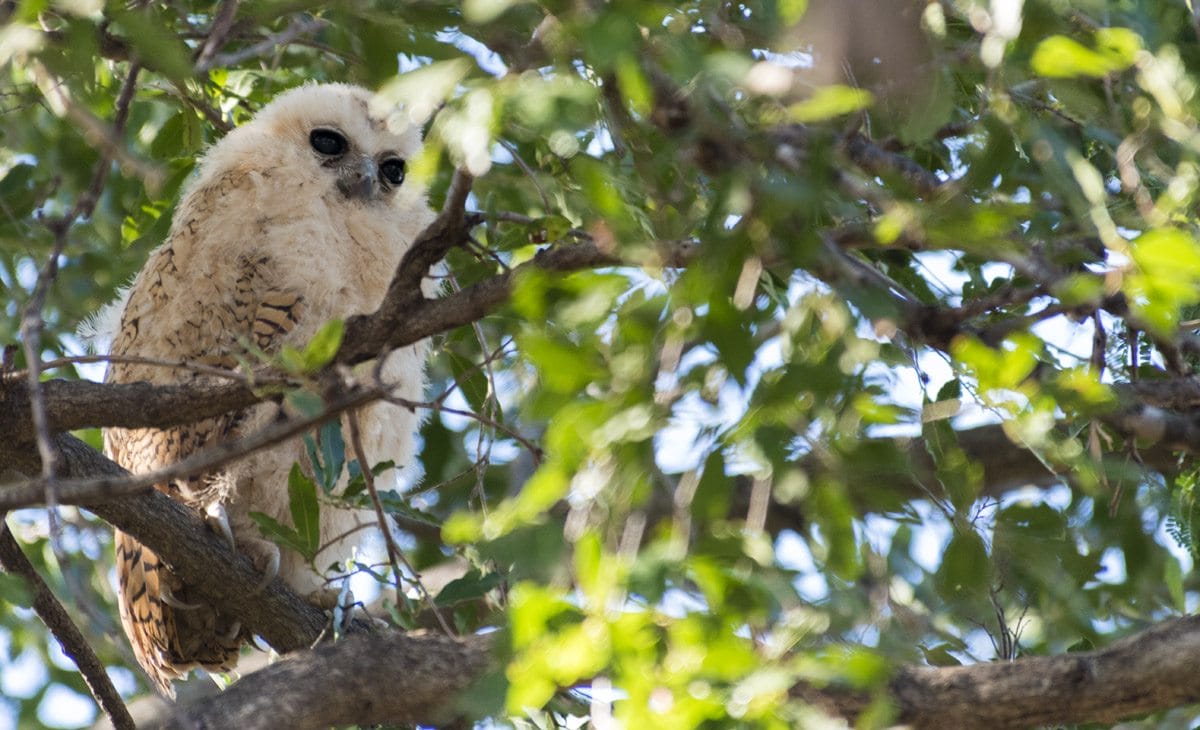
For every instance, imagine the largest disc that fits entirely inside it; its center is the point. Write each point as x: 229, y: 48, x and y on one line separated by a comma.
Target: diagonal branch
x: 368, y: 335
x: 74, y: 645
x: 195, y: 553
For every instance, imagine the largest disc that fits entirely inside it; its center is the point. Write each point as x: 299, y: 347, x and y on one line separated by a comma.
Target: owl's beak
x: 359, y: 179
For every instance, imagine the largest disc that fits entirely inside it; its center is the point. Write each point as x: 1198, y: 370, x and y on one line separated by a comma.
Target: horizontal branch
x: 389, y: 678
x: 76, y: 404
x: 1147, y: 672
x: 86, y: 491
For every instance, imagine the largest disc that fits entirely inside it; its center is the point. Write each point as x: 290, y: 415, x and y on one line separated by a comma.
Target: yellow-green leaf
x: 324, y: 345
x: 1062, y: 57
x: 828, y: 102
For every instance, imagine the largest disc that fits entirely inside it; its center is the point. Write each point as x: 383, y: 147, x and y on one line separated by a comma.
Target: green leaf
x: 711, y: 501
x: 470, y: 379
x: 279, y: 533
x: 940, y: 656
x: 306, y: 403
x: 357, y: 483
x: 292, y: 360
x: 960, y: 476
x: 324, y: 345
x: 158, y: 47
x: 828, y: 102
x: 14, y: 591
x: 327, y: 452
x: 471, y: 586
x: 305, y: 511
x: 1167, y: 278
x: 18, y: 191
x: 965, y: 571
x: 422, y: 91
x: 1059, y: 56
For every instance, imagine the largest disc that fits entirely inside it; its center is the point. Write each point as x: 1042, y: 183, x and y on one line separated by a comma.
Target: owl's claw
x: 218, y: 520
x: 270, y: 570
x: 167, y: 597
x: 233, y: 632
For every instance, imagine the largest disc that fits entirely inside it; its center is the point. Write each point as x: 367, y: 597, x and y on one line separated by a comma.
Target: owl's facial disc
x: 358, y: 178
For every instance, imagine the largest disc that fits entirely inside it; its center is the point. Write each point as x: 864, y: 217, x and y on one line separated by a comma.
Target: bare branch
x: 878, y: 161
x: 222, y: 24
x: 73, y: 643
x: 300, y: 26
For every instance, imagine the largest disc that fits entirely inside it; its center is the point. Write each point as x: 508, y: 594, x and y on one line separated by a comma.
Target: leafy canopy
x: 679, y: 484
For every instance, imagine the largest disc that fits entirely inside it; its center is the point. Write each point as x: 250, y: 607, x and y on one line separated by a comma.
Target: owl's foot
x: 325, y: 599
x: 265, y: 556
x: 269, y: 568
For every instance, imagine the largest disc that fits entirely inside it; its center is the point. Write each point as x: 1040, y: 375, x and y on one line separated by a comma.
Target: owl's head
x: 327, y: 134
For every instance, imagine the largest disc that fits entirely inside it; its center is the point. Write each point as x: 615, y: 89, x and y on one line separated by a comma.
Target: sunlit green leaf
x: 830, y: 101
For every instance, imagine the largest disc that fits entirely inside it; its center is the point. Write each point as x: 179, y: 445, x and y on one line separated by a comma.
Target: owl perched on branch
x: 296, y: 218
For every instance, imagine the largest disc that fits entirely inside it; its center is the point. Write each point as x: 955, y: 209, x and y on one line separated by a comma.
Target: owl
x: 295, y: 218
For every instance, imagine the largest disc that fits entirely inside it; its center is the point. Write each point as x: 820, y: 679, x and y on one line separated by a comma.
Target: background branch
x: 1145, y: 672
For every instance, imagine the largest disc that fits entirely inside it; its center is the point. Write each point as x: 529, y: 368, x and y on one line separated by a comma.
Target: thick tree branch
x: 390, y: 678
x: 76, y: 404
x: 200, y: 557
x: 1150, y: 671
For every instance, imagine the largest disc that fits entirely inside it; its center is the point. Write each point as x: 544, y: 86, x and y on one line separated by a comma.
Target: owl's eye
x: 392, y: 170
x: 327, y: 142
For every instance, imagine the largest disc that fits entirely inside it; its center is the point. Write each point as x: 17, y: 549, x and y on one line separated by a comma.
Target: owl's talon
x: 218, y: 521
x: 270, y: 570
x: 232, y: 633
x: 167, y: 597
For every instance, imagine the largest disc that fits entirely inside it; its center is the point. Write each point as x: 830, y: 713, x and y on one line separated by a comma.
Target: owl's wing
x: 175, y: 312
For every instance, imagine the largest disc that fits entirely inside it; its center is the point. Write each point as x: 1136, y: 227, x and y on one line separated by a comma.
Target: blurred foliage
x: 793, y: 148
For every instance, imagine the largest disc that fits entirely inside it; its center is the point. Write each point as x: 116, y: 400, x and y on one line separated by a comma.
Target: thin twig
x: 96, y: 132
x: 267, y: 46
x: 219, y: 32
x: 395, y: 555
x: 483, y: 420
x: 250, y: 379
x: 31, y: 318
x: 74, y: 645
x: 482, y: 459
x: 529, y: 173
